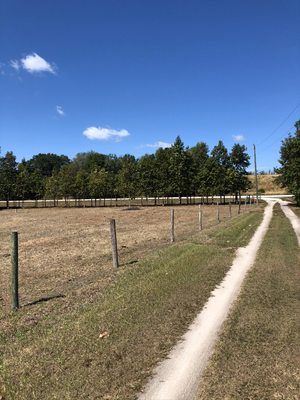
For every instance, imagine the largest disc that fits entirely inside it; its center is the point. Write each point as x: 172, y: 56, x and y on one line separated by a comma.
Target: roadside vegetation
x: 290, y: 163
x: 257, y: 356
x: 107, y: 349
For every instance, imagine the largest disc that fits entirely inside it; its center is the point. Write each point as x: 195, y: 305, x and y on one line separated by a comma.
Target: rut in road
x: 177, y: 377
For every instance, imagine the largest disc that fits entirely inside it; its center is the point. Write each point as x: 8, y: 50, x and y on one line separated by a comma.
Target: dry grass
x: 258, y: 355
x: 267, y: 183
x: 68, y: 251
x: 53, y: 351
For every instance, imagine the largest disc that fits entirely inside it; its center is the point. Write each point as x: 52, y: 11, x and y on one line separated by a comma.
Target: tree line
x: 174, y: 171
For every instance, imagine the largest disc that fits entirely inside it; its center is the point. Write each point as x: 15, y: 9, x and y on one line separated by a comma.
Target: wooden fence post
x: 14, y: 271
x: 239, y: 209
x: 200, y: 218
x: 172, y: 230
x: 230, y: 215
x: 114, y: 245
x: 218, y: 213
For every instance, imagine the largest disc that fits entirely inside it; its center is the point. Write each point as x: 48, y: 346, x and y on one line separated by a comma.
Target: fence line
x: 119, y: 202
x: 113, y: 236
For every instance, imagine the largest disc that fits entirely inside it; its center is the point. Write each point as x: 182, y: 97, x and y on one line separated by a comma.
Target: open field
x: 68, y: 251
x: 257, y: 356
x: 144, y: 307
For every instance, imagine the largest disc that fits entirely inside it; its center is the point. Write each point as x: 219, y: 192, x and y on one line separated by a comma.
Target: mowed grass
x: 258, y: 353
x: 141, y: 315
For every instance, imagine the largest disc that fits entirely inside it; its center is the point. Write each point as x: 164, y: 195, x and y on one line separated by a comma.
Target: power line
x: 280, y: 125
x: 276, y: 140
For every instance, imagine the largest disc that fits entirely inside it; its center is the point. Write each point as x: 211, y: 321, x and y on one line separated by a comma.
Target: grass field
x: 53, y: 350
x: 258, y: 354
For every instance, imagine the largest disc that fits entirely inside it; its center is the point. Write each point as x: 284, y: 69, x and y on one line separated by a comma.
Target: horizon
x: 124, y: 78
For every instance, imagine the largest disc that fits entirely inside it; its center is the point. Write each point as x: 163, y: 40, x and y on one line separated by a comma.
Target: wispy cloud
x: 15, y: 64
x: 2, y: 72
x: 33, y: 63
x: 60, y: 110
x: 238, y: 138
x: 156, y: 145
x: 99, y: 133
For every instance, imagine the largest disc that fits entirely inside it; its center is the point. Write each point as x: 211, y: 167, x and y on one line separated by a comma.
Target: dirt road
x: 177, y: 377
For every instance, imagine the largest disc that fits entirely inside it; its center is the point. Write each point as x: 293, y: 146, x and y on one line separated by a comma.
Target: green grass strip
x: 258, y: 353
x: 144, y: 312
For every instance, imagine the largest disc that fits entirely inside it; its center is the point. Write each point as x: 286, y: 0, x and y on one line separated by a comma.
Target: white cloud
x: 34, y: 63
x: 60, y: 110
x: 238, y: 138
x: 98, y: 133
x: 156, y: 145
x: 15, y: 64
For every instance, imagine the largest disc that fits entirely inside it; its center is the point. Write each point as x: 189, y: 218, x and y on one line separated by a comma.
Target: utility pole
x: 255, y: 169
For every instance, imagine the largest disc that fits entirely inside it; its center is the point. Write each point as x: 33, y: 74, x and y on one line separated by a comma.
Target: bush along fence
x: 199, y: 217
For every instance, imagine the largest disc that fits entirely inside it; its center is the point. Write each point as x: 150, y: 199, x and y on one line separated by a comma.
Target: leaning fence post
x: 114, y: 245
x: 172, y: 232
x: 14, y: 271
x: 218, y: 212
x: 200, y: 218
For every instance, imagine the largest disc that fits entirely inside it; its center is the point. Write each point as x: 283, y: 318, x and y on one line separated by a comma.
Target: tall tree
x: 180, y: 167
x: 98, y: 183
x: 89, y: 161
x: 67, y: 181
x: 8, y: 176
x: 221, y: 165
x: 237, y: 174
x: 290, y: 163
x: 127, y: 180
x: 53, y: 185
x: 147, y: 173
x: 163, y: 172
x: 199, y: 154
x: 30, y: 183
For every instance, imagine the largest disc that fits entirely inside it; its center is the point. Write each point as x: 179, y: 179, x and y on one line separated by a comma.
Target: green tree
x: 8, y: 176
x: 147, y: 172
x: 180, y: 168
x: 53, y: 186
x: 237, y: 174
x: 67, y: 181
x: 163, y: 172
x: 81, y: 184
x: 127, y: 179
x: 30, y: 184
x: 199, y: 154
x: 290, y: 163
x: 219, y: 171
x: 98, y: 183
x: 89, y: 161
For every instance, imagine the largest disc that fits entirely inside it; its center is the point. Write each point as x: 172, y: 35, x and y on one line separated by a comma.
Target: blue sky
x: 125, y: 76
